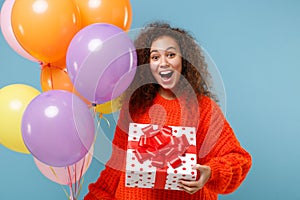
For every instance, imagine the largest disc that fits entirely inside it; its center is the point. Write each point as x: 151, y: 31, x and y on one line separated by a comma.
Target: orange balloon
x: 116, y: 12
x: 56, y: 78
x: 44, y: 28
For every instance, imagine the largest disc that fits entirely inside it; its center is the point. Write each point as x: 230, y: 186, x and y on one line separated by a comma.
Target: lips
x: 166, y: 75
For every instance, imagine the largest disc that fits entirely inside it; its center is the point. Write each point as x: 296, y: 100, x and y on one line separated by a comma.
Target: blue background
x: 256, y: 46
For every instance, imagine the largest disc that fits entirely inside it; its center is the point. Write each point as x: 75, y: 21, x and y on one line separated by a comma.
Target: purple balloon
x: 58, y: 128
x: 98, y: 56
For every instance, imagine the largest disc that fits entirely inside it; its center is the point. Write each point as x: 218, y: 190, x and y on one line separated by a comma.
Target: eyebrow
x: 154, y: 50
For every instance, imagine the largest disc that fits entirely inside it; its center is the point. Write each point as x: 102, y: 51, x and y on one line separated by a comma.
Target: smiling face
x: 166, y: 64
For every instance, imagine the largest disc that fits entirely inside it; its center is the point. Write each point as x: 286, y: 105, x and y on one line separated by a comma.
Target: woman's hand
x: 193, y: 186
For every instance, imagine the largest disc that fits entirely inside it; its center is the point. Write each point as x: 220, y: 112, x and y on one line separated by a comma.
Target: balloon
x: 8, y: 32
x: 66, y: 175
x: 56, y: 78
x: 58, y: 128
x: 109, y: 107
x: 44, y: 28
x: 13, y: 101
x: 114, y: 12
x: 98, y: 57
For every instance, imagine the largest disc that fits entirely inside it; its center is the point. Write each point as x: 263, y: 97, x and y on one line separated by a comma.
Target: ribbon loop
x: 161, y: 147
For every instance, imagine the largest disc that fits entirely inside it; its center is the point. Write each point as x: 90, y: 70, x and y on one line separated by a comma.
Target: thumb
x: 199, y: 167
x: 204, y: 170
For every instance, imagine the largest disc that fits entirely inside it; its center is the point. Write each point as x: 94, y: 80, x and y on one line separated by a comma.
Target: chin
x: 167, y: 87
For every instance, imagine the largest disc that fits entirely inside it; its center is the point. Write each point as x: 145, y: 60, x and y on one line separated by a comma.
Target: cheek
x: 178, y: 66
x: 152, y: 68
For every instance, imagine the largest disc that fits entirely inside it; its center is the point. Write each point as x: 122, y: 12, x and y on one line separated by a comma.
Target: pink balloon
x: 66, y: 175
x: 8, y: 32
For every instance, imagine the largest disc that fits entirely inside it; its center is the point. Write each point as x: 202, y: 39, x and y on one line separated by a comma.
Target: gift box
x: 159, y: 156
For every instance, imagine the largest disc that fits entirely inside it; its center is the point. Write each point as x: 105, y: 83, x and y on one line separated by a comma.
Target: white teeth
x: 165, y: 72
x: 165, y: 75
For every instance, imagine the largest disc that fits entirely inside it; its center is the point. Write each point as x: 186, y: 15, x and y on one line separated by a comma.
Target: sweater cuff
x: 221, y: 172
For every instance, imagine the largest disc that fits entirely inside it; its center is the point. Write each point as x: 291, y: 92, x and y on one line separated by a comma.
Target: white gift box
x: 154, y: 168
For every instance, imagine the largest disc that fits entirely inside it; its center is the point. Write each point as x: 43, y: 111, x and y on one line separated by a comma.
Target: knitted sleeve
x: 104, y: 188
x: 221, y: 150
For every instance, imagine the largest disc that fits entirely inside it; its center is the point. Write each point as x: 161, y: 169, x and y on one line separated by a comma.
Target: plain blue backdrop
x: 256, y: 46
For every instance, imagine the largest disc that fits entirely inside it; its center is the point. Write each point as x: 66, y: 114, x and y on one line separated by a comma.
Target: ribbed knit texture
x: 217, y: 147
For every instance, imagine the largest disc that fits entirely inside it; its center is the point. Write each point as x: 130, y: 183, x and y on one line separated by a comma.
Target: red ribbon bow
x: 161, y: 147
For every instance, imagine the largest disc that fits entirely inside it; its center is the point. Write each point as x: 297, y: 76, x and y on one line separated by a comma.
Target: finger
x: 189, y: 183
x: 190, y: 190
x: 201, y: 168
x: 197, y: 166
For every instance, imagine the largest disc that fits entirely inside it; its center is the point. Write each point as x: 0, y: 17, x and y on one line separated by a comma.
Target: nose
x: 164, y: 62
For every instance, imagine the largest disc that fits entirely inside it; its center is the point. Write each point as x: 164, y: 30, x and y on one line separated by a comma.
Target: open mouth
x: 166, y: 74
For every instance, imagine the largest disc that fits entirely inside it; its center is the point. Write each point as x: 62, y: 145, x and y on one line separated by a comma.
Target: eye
x: 154, y: 57
x: 171, y: 55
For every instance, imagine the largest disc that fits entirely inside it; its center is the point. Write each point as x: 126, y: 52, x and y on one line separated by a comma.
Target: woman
x: 171, y: 87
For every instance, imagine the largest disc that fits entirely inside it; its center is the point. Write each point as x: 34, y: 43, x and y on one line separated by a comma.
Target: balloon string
x: 54, y: 173
x: 97, y: 128
x: 70, y: 184
x: 81, y: 170
x: 79, y: 185
x: 105, y: 119
x: 100, y: 116
x: 75, y: 173
x: 70, y: 178
x: 71, y: 197
x: 81, y: 179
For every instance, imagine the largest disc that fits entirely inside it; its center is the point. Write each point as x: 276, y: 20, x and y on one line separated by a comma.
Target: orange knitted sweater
x: 216, y: 144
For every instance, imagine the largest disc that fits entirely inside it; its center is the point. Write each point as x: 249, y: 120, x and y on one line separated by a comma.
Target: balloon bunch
x: 87, y: 61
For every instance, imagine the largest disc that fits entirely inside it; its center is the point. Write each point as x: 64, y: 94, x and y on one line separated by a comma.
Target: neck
x: 168, y: 94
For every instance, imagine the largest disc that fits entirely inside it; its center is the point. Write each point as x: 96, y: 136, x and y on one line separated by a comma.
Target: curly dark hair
x: 144, y: 87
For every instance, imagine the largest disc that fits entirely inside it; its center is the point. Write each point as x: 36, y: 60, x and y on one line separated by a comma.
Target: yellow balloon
x: 110, y: 106
x: 13, y: 102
